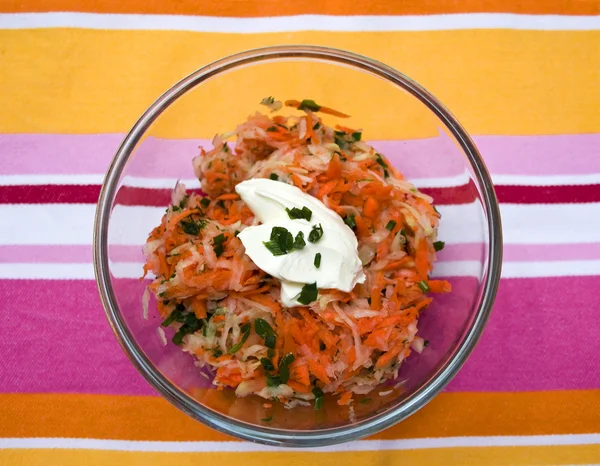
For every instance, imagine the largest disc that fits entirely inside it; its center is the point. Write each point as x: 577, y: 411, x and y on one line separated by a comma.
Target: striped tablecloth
x: 523, y: 77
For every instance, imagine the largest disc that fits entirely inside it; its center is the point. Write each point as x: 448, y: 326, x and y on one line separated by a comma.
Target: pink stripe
x: 452, y: 252
x: 541, y: 336
x: 91, y: 154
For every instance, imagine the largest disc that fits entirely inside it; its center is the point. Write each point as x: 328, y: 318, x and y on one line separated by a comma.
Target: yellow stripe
x: 441, y: 456
x: 495, y: 81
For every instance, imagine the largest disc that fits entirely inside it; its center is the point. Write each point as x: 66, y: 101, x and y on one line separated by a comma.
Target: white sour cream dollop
x: 340, y: 266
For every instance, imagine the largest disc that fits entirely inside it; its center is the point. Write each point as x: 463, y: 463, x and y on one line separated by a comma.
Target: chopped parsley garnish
x: 390, y: 225
x: 191, y: 324
x: 365, y: 401
x: 217, y: 353
x: 236, y: 233
x: 192, y: 228
x: 271, y: 129
x: 356, y: 135
x: 316, y: 233
x: 183, y: 202
x: 245, y: 329
x: 381, y: 162
x: 299, y: 242
x: 296, y: 213
x: 310, y: 105
x: 175, y: 208
x: 205, y: 202
x: 225, y: 148
x: 267, y: 419
x: 308, y: 294
x: 318, y: 397
x: 218, y: 247
x: 424, y: 286
x: 274, y: 176
x: 284, y: 367
x: 317, y: 125
x: 268, y: 101
x: 281, y: 241
x: 350, y: 221
x: 267, y: 364
x: 318, y: 260
x: 438, y: 245
x: 273, y: 380
x: 266, y: 332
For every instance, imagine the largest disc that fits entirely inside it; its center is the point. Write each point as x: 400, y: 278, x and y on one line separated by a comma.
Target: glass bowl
x: 404, y: 122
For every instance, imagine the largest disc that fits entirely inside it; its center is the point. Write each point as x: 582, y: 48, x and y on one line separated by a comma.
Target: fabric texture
x: 522, y: 76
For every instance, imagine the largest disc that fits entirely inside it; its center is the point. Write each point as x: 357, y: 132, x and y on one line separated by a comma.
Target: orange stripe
x: 243, y: 8
x: 152, y: 418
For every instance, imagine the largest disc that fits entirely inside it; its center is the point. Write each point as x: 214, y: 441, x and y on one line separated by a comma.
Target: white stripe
x: 168, y: 183
x: 66, y: 224
x: 360, y: 445
x: 298, y: 23
x: 443, y: 269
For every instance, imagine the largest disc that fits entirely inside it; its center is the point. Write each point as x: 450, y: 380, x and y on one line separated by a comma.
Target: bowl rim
x: 268, y: 435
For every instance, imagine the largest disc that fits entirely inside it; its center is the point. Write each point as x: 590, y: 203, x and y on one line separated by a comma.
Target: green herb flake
x: 316, y: 233
x: 384, y: 165
x: 271, y: 129
x: 296, y: 213
x: 236, y: 233
x: 274, y: 176
x: 267, y: 101
x: 264, y: 330
x: 245, y: 329
x: 205, y: 202
x: 281, y: 241
x: 267, y: 364
x: 178, y: 338
x: 317, y: 125
x: 175, y: 208
x: 365, y: 401
x: 426, y: 343
x: 308, y: 294
x: 299, y: 242
x: 318, y: 393
x: 284, y: 367
x: 340, y: 141
x: 356, y: 135
x: 273, y: 380
x: 390, y: 225
x: 270, y: 353
x: 218, y: 247
x: 309, y: 105
x: 267, y: 419
x: 350, y: 221
x: 318, y: 260
x: 192, y: 228
x: 438, y: 246
x: 424, y: 286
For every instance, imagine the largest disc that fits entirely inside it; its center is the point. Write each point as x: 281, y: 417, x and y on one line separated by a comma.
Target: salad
x: 302, y: 267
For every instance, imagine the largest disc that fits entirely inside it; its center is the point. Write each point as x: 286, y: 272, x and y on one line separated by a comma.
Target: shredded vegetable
x: 227, y: 313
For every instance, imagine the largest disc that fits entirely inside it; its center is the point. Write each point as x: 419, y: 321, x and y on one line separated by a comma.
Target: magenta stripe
x: 64, y: 254
x: 542, y: 336
x: 91, y: 154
